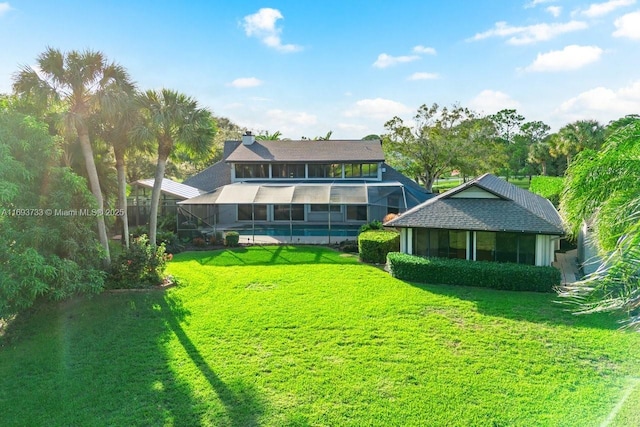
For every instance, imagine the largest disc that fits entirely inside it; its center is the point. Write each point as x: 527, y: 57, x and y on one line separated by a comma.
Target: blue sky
x: 305, y: 68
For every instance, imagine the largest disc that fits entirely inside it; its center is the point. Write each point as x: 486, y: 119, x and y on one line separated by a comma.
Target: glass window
x: 282, y: 212
x: 457, y: 244
x: 319, y: 170
x: 250, y: 170
x: 527, y: 249
x: 485, y: 246
x: 325, y: 208
x: 507, y: 247
x: 357, y: 213
x: 245, y: 212
x: 287, y: 170
x: 297, y: 212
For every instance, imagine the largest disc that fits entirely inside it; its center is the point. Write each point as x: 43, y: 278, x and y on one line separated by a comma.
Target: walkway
x: 567, y: 263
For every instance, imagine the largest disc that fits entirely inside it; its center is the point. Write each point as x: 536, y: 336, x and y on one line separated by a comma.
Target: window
x: 245, y: 212
x: 506, y: 247
x: 282, y: 212
x: 325, y: 170
x: 287, y: 170
x: 440, y: 243
x: 357, y: 213
x: 250, y: 170
x: 325, y: 208
x: 361, y: 170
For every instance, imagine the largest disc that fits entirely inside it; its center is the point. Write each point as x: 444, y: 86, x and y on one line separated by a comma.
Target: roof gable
x: 510, y: 209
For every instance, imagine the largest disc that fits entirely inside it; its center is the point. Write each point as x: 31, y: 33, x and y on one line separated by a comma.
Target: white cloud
x: 555, y: 11
x: 423, y: 76
x: 628, y: 26
x: 491, y: 101
x: 4, y: 8
x: 289, y: 118
x: 385, y: 60
x: 350, y: 127
x: 570, y: 58
x: 531, y: 33
x: 378, y: 108
x: 534, y: 3
x: 245, y: 82
x: 424, y: 50
x: 603, y: 104
x: 262, y: 25
x: 599, y: 9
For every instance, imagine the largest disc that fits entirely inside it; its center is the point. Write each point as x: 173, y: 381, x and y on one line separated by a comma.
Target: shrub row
x: 373, y: 246
x: 504, y: 276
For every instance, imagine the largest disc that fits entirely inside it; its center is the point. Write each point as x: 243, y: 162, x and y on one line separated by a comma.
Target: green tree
x: 77, y: 80
x: 441, y: 139
x: 575, y: 137
x: 46, y: 247
x: 602, y: 187
x: 171, y: 119
x: 266, y: 136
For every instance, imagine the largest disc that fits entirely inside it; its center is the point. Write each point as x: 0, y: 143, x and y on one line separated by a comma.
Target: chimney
x: 248, y: 138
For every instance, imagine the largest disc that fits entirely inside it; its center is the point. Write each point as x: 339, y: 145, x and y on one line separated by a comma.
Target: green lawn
x: 297, y: 336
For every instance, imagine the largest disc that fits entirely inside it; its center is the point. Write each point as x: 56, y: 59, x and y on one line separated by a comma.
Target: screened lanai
x: 323, y: 210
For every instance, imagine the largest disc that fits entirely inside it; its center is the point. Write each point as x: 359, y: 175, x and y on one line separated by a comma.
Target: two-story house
x: 326, y: 189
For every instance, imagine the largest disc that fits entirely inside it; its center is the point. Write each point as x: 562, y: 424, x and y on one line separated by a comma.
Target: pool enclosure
x: 329, y: 211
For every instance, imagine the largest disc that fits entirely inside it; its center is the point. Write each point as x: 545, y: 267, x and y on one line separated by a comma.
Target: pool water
x: 301, y: 230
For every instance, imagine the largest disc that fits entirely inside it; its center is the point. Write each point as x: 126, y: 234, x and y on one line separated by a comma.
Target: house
x: 306, y: 188
x: 486, y: 219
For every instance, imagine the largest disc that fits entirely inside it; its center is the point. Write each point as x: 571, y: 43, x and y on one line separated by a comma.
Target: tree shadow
x: 535, y: 307
x: 242, y: 405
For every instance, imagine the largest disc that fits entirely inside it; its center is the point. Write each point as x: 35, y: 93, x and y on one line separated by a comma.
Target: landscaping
x: 301, y: 336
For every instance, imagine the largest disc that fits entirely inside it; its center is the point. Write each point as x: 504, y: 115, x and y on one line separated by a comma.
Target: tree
x: 47, y: 246
x: 602, y: 187
x: 77, y: 80
x: 119, y: 115
x: 442, y: 139
x: 539, y: 155
x: 575, y: 137
x: 266, y: 136
x: 171, y: 119
x: 326, y: 137
x: 508, y: 123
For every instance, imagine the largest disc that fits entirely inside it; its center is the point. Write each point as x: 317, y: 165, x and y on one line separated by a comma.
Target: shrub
x: 373, y: 246
x: 486, y: 274
x: 373, y: 225
x: 549, y: 187
x: 139, y: 266
x: 349, y: 246
x: 171, y: 242
x: 231, y: 238
x: 199, y: 242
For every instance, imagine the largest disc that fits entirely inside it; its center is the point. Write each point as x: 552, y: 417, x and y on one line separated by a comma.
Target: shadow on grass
x: 523, y: 306
x: 243, y: 408
x: 268, y: 255
x: 108, y: 360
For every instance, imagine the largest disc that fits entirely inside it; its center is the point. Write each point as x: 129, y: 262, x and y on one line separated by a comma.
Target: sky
x: 348, y: 66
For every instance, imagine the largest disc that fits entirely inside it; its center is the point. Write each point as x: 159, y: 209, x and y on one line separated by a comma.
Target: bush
x: 373, y: 246
x: 139, y: 266
x: 486, y: 274
x: 171, y: 242
x: 373, y: 225
x: 549, y: 187
x: 199, y: 242
x: 349, y: 246
x: 231, y: 238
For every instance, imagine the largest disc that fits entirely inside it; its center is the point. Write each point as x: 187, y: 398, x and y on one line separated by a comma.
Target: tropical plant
x: 266, y: 136
x: 171, y: 119
x: 602, y: 188
x: 575, y: 137
x: 77, y: 80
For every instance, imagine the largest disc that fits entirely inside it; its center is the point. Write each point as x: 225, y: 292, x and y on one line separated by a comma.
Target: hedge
x: 486, y: 274
x: 549, y: 187
x: 373, y: 246
x: 231, y: 238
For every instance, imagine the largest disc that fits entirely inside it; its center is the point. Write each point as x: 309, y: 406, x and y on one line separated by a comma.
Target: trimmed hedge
x: 485, y: 274
x: 231, y: 238
x: 373, y: 246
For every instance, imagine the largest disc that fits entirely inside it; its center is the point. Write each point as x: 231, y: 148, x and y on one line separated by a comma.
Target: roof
x: 216, y: 175
x: 308, y: 151
x: 415, y: 193
x: 170, y: 187
x: 359, y: 193
x: 510, y: 209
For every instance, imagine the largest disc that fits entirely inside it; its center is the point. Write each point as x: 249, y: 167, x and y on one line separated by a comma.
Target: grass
x: 305, y: 336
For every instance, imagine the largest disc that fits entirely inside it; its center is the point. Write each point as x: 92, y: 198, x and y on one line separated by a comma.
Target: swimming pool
x: 301, y: 230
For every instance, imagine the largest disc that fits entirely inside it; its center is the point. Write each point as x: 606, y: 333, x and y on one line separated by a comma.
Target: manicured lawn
x: 297, y: 336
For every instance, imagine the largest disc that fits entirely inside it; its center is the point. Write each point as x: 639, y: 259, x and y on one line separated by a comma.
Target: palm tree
x: 266, y: 136
x: 171, y: 119
x: 76, y: 79
x: 120, y: 115
x: 539, y: 155
x: 575, y: 137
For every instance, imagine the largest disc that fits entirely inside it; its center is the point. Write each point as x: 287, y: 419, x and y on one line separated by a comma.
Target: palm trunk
x: 122, y: 194
x: 155, y: 198
x: 94, y: 184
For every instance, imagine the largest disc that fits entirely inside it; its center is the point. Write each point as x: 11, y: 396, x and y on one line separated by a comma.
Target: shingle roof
x: 514, y: 209
x: 308, y: 151
x: 415, y: 193
x: 216, y: 175
x: 173, y: 188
